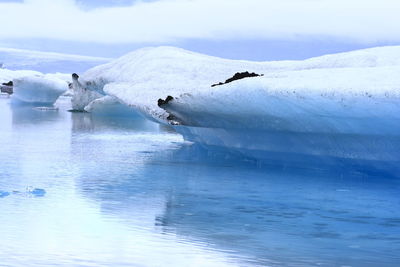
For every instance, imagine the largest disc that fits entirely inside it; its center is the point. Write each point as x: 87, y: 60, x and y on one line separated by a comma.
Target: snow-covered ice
x: 301, y: 101
x: 140, y: 78
x: 38, y: 89
x: 7, y: 75
x: 34, y: 87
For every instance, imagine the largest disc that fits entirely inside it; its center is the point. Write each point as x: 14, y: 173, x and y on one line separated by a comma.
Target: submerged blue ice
x: 35, y: 192
x: 4, y: 194
x: 126, y: 191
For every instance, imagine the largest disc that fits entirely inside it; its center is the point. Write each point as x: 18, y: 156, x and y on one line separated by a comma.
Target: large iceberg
x: 340, y: 106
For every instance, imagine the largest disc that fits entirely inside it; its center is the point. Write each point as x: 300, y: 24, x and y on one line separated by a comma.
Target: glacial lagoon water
x: 128, y: 192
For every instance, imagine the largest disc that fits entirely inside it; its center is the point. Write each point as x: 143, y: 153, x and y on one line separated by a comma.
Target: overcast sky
x: 200, y: 23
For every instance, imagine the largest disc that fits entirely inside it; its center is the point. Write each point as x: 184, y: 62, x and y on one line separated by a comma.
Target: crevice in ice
x: 238, y: 76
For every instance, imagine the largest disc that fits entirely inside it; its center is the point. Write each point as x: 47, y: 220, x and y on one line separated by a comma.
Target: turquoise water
x: 84, y: 190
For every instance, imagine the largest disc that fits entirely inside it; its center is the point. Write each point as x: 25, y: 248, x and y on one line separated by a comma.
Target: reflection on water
x: 127, y: 192
x: 30, y: 115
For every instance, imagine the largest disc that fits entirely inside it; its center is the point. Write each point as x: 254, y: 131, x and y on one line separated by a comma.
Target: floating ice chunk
x: 38, y: 89
x: 37, y: 192
x: 47, y: 108
x: 30, y: 191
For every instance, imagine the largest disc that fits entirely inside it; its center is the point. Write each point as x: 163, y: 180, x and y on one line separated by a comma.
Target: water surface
x: 128, y: 192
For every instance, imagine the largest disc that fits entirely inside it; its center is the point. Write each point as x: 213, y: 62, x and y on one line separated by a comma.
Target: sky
x: 242, y: 29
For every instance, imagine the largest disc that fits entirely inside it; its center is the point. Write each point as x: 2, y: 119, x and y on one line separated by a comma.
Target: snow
x: 7, y: 75
x: 141, y: 77
x: 302, y: 101
x: 38, y: 89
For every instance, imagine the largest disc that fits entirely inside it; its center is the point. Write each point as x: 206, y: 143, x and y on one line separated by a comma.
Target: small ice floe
x: 342, y: 190
x: 38, y: 90
x: 46, y: 108
x: 36, y: 192
x: 29, y: 192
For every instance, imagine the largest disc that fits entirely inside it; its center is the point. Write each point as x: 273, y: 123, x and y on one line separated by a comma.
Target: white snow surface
x: 9, y: 75
x: 40, y: 89
x: 140, y: 78
x: 314, y: 100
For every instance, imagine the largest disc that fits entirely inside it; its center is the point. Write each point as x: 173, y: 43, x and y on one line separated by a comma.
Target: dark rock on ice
x: 162, y: 102
x: 238, y: 76
x: 7, y: 87
x: 77, y: 111
x: 10, y: 83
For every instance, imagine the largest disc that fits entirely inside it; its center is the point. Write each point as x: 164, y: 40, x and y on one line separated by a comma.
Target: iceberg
x: 33, y: 87
x: 340, y: 106
x: 38, y: 89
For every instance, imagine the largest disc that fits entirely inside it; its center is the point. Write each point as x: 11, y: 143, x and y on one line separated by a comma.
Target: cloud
x: 172, y: 20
